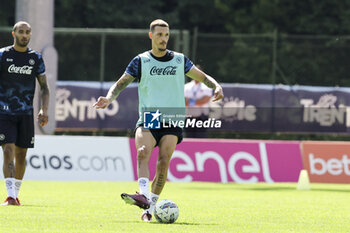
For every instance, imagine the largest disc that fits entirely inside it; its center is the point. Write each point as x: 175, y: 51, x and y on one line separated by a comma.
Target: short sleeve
x: 41, y: 66
x: 1, y: 52
x: 134, y: 68
x: 188, y: 64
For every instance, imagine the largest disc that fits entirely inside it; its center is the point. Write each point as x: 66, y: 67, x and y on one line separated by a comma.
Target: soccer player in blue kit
x: 20, y: 66
x: 161, y: 76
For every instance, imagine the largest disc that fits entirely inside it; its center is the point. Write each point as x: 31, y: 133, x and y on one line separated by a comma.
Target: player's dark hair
x: 158, y: 22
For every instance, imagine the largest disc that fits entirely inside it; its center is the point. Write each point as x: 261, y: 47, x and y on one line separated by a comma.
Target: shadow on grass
x: 266, y: 188
x: 270, y: 188
x: 237, y: 187
x: 175, y: 223
x: 184, y: 223
x: 331, y: 190
x: 294, y: 189
x: 38, y: 206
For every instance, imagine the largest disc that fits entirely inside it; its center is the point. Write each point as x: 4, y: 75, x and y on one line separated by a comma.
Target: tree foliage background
x: 303, y: 56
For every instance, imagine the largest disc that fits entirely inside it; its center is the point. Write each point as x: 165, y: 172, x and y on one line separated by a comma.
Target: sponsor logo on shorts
x: 32, y: 142
x: 2, y: 137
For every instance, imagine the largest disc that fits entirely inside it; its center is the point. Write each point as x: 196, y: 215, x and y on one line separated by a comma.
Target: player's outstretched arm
x: 210, y: 82
x: 114, y: 91
x: 43, y: 116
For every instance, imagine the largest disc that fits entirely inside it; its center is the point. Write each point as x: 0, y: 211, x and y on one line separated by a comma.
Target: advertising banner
x: 78, y: 158
x: 241, y: 161
x: 327, y: 162
x: 74, y: 106
x: 245, y: 108
x: 311, y: 109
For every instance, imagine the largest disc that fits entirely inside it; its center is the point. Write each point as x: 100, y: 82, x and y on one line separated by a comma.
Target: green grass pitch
x: 204, y: 207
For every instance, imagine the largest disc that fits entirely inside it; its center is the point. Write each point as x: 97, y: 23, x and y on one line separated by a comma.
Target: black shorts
x: 159, y: 133
x: 18, y: 129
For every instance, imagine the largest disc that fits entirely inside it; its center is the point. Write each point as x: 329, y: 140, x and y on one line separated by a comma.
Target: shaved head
x: 20, y: 23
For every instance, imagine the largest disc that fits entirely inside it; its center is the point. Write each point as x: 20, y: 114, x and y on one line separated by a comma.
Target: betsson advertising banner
x: 241, y: 161
x: 327, y: 162
x: 77, y: 158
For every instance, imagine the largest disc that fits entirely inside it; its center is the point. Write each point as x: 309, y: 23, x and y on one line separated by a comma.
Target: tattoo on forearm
x: 11, y: 169
x: 43, y: 83
x: 120, y: 85
x: 160, y: 181
x: 45, y: 93
x: 209, y: 83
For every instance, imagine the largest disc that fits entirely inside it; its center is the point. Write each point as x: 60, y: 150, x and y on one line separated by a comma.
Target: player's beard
x: 21, y: 43
x: 162, y: 49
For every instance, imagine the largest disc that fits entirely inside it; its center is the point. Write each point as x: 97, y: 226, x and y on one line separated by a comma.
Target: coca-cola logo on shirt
x: 20, y: 69
x: 169, y: 70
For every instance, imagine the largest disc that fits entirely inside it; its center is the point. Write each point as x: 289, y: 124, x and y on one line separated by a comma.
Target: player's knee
x: 163, y: 163
x: 8, y: 152
x: 142, y: 153
x: 21, y: 158
x: 21, y: 155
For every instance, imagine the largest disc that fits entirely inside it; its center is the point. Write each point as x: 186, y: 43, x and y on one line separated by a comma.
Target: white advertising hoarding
x: 79, y: 158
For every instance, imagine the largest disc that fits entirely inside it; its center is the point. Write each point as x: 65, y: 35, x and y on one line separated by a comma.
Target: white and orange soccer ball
x: 166, y: 211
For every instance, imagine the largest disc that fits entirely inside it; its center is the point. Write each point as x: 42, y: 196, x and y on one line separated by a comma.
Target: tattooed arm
x: 43, y: 117
x: 210, y: 82
x: 114, y: 91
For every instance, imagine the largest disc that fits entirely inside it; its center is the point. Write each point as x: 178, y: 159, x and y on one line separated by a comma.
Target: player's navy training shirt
x: 18, y: 71
x: 134, y: 67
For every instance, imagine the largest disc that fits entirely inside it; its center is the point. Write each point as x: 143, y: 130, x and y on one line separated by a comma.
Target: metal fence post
x: 274, y: 57
x: 194, y: 44
x: 102, y: 56
x: 185, y: 42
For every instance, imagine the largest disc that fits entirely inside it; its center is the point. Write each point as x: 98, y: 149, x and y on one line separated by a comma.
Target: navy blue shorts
x: 18, y: 129
x: 159, y: 133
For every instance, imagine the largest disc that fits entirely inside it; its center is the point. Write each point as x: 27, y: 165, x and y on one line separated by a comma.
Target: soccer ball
x: 166, y: 211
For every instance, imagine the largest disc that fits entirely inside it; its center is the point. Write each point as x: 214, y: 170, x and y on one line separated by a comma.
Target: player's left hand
x: 43, y: 118
x: 218, y: 93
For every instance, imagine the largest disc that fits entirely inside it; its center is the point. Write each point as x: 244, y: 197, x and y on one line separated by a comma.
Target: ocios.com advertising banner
x: 79, y: 158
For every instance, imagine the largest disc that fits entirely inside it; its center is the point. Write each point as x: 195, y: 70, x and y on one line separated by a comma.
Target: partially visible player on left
x: 20, y: 66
